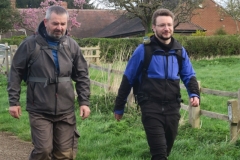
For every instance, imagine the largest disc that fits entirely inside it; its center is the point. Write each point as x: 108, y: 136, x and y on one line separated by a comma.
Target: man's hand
x: 84, y: 111
x: 194, y: 101
x: 15, y: 111
x: 118, y: 117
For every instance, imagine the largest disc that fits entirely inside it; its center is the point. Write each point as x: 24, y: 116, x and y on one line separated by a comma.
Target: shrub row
x: 197, y: 47
x: 112, y: 49
x: 212, y: 46
x: 121, y: 48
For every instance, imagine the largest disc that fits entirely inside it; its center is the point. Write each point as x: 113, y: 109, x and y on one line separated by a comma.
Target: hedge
x: 198, y: 47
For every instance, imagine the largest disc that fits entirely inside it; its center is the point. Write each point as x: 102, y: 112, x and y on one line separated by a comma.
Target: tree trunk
x: 236, y: 21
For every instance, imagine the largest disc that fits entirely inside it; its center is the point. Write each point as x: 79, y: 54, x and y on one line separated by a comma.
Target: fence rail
x: 215, y: 92
x: 233, y: 116
x: 92, y: 54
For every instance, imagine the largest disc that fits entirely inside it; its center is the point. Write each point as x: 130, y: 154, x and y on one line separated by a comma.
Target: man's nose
x: 59, y: 27
x: 166, y: 27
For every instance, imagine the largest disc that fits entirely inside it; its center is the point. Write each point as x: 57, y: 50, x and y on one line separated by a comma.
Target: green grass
x: 219, y: 74
x: 103, y: 138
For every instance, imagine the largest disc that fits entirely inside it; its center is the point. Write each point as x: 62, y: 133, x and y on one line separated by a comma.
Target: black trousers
x: 161, y: 131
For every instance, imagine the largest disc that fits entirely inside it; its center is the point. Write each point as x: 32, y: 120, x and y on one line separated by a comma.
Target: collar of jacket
x: 175, y: 44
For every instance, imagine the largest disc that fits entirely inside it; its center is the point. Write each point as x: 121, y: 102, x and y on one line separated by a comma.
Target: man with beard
x: 50, y: 91
x: 159, y: 91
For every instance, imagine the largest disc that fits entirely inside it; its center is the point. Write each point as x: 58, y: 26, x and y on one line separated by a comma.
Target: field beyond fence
x: 232, y: 106
x: 92, y: 54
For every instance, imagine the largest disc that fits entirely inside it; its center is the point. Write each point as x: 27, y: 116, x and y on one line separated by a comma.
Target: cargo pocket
x: 75, y: 143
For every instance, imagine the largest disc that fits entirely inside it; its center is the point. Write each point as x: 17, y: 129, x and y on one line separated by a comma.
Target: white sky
x: 101, y: 6
x: 221, y: 2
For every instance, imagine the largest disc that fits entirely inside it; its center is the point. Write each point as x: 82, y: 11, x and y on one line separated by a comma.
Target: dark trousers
x: 161, y: 131
x: 53, y: 137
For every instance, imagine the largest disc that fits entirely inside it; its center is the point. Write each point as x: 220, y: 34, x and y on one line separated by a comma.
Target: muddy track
x: 12, y: 148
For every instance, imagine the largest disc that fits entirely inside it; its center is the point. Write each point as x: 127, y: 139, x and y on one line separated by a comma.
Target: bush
x: 212, y: 46
x: 14, y: 40
x: 199, y: 33
x: 102, y: 103
x: 220, y: 31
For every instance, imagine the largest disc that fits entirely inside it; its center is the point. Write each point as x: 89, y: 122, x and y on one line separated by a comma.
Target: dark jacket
x: 56, y: 97
x: 161, y: 81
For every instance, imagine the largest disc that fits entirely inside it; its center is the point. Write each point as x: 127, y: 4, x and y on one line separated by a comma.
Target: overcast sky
x: 101, y: 6
x: 221, y: 2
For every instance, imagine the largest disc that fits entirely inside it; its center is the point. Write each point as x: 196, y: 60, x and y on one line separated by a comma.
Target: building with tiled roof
x: 105, y: 23
x: 212, y: 17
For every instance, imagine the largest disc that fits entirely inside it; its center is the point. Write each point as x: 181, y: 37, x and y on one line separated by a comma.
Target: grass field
x: 102, y: 138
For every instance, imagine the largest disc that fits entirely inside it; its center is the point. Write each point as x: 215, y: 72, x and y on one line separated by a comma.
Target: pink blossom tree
x: 31, y: 17
x: 79, y: 3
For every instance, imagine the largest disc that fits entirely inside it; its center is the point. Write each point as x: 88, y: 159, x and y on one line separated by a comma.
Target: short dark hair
x: 56, y: 9
x: 161, y: 12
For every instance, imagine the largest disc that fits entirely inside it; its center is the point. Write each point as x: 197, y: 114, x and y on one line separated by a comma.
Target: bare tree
x: 143, y: 9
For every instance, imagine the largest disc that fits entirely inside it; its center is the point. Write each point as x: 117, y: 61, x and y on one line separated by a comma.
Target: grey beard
x: 55, y: 38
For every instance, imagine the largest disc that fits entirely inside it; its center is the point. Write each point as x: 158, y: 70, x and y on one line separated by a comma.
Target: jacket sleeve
x: 81, y: 76
x: 17, y: 71
x: 131, y: 74
x: 188, y: 76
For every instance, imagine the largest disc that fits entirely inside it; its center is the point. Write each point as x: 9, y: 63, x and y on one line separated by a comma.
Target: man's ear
x: 153, y: 28
x: 45, y: 22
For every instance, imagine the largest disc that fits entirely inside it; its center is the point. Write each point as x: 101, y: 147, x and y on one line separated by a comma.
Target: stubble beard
x: 164, y: 38
x: 55, y: 36
x: 161, y: 37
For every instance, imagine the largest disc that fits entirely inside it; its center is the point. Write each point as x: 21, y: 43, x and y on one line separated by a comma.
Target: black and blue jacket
x: 161, y: 81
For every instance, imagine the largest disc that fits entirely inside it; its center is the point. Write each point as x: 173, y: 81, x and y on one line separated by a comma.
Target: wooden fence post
x: 6, y: 58
x: 13, y: 49
x: 233, y: 114
x: 109, y: 77
x: 98, y: 54
x: 194, y: 114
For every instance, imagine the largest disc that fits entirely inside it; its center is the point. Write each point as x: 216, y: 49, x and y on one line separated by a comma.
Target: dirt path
x: 11, y: 148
